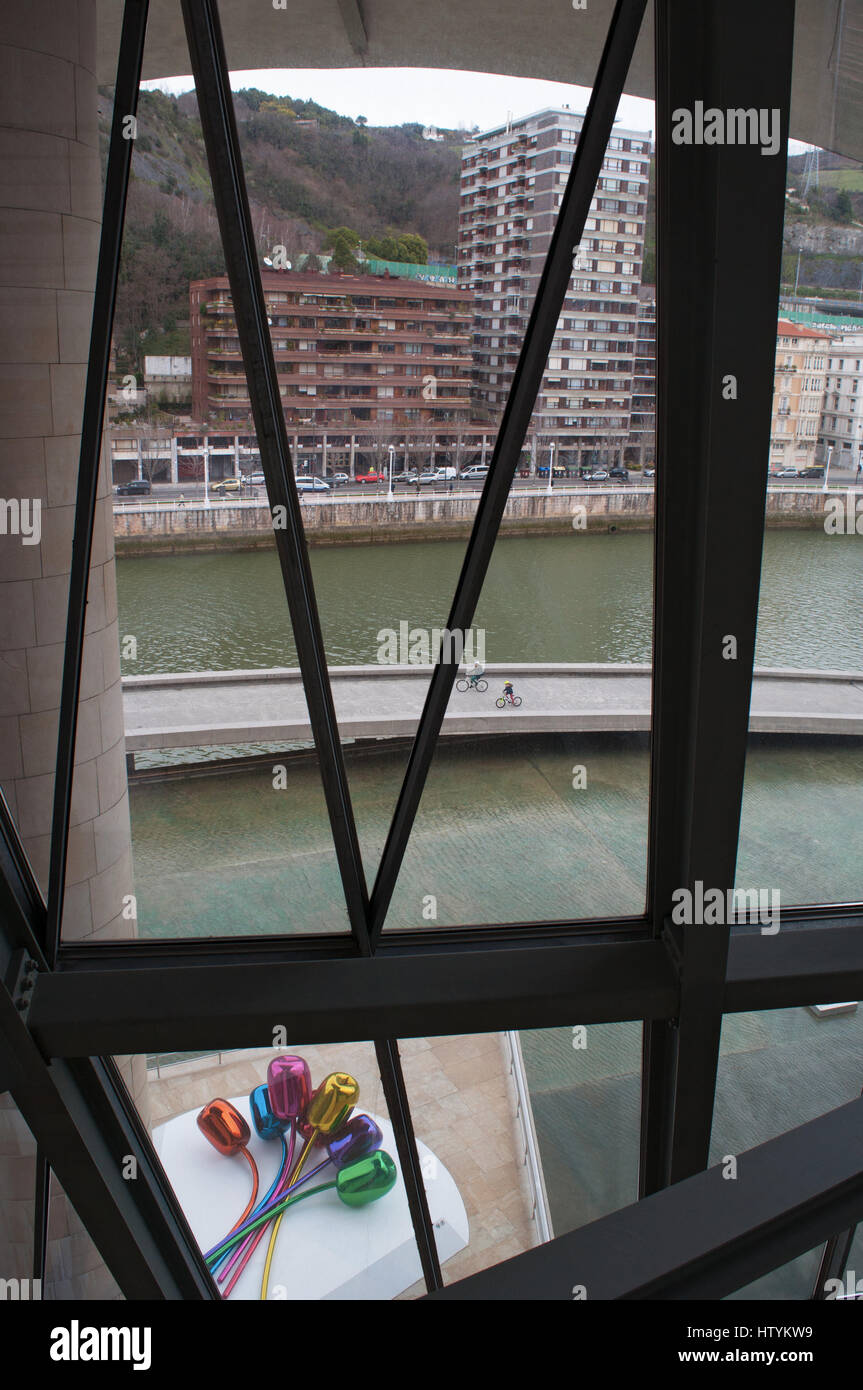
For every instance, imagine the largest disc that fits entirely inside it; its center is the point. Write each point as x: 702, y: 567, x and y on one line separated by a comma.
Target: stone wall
x: 153, y: 528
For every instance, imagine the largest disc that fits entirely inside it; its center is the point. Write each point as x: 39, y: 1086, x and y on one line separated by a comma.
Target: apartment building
x: 842, y: 414
x: 512, y: 182
x: 348, y: 349
x: 798, y: 394
x: 641, y: 448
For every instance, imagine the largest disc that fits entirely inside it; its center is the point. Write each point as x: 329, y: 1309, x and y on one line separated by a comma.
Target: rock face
x: 824, y: 239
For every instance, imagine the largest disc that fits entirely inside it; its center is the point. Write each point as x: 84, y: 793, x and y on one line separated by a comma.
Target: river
x: 501, y: 833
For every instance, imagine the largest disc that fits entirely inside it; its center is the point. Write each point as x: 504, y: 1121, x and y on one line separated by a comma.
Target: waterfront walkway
x: 235, y: 707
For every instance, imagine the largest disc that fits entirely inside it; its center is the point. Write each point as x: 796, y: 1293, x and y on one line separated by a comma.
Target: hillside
x: 307, y: 170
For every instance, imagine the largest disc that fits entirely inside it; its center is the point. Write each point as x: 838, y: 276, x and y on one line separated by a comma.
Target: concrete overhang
x: 521, y: 38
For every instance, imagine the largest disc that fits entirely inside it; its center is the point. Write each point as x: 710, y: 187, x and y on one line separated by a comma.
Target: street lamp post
x: 392, y: 452
x: 827, y: 469
x: 550, y: 487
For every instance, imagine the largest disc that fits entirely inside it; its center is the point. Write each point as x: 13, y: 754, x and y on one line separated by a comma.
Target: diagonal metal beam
x: 209, y: 65
x: 551, y: 293
x: 113, y: 213
x: 398, y: 1105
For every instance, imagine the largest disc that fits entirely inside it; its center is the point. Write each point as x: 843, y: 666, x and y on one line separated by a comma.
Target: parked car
x: 371, y: 477
x: 138, y: 487
x: 255, y: 479
x: 814, y: 472
x: 312, y: 485
x: 341, y: 479
x: 440, y: 475
x: 618, y: 471
x: 226, y: 485
x: 786, y: 473
x: 476, y: 471
x: 599, y: 475
x: 407, y: 475
x: 650, y: 472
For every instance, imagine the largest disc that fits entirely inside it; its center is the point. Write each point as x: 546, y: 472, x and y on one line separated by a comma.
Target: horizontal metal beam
x: 703, y: 1237
x: 151, y: 996
x: 201, y: 1002
x: 820, y: 964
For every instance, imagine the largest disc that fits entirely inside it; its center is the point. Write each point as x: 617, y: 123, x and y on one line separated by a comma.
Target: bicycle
x: 503, y: 700
x: 464, y: 684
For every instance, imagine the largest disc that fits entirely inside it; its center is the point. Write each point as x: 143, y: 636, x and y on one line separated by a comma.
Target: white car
x: 440, y: 475
x: 312, y: 485
x: 477, y: 470
x: 255, y: 479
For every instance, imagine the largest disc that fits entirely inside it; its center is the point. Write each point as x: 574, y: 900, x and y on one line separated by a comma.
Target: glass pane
x: 74, y: 1269
x: 522, y: 1136
x: 353, y: 1238
x: 794, y: 1281
x: 17, y: 1194
x: 801, y: 828
x: 222, y: 829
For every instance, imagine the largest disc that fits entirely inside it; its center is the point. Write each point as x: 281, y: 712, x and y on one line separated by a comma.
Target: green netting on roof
x: 813, y: 320
x: 407, y: 270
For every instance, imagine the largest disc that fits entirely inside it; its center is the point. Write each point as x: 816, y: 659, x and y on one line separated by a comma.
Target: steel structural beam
x: 83, y: 1128
x: 399, y: 1110
x: 550, y: 295
x: 218, y: 124
x: 142, y: 1001
x: 188, y: 1007
x: 113, y: 212
x: 720, y: 211
x: 704, y: 1237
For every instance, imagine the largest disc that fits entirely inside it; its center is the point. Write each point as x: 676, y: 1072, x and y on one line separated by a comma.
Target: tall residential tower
x: 512, y: 181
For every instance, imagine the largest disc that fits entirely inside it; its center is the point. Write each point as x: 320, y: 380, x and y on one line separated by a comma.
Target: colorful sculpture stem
x: 365, y: 1181
x: 327, y: 1111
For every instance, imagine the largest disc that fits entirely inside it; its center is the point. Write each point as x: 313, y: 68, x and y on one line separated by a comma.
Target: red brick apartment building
x: 349, y: 349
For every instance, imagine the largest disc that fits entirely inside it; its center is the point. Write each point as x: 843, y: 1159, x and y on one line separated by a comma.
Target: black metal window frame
x: 63, y: 1006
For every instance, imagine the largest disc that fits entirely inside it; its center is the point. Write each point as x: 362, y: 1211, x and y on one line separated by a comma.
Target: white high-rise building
x: 842, y: 410
x: 512, y: 182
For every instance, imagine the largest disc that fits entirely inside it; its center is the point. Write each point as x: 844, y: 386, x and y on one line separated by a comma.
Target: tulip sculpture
x: 283, y: 1108
x: 275, y: 1107
x: 228, y: 1132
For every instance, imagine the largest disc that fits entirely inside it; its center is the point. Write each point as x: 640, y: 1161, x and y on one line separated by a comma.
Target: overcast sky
x: 390, y: 96
x: 430, y: 96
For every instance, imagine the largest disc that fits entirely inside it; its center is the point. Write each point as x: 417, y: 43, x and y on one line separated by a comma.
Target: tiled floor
x: 463, y: 1104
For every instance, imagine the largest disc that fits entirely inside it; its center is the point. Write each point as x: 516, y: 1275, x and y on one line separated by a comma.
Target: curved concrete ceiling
x: 523, y: 38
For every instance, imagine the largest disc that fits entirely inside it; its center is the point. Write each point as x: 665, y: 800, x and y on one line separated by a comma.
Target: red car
x: 371, y: 478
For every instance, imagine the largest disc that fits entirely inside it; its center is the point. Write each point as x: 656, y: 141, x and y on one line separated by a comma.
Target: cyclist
x: 475, y: 672
x: 507, y: 691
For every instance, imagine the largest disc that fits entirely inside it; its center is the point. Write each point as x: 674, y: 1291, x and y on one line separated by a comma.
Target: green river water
x: 501, y: 833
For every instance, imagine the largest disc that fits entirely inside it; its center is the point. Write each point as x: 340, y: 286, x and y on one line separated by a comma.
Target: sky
x: 392, y: 96
x: 429, y: 96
